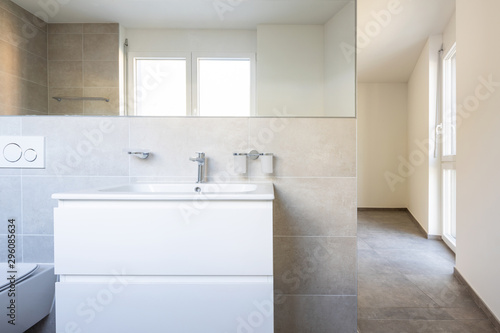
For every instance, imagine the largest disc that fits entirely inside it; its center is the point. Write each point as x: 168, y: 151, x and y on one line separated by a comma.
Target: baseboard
x: 363, y: 209
x: 479, y: 302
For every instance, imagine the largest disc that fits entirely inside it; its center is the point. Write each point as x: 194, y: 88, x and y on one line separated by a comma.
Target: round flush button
x: 30, y: 155
x: 12, y: 152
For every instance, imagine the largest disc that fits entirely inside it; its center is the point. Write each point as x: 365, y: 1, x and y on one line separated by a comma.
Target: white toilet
x: 29, y: 299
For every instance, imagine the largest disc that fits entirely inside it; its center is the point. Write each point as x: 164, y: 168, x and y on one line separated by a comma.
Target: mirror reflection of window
x: 160, y: 87
x: 216, y: 86
x: 224, y: 87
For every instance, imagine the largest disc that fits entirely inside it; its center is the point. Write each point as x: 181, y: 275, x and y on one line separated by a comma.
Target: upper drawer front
x: 218, y: 239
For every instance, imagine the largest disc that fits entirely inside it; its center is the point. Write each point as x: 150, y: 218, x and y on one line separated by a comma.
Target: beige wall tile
x: 22, y: 34
x: 100, y: 47
x: 101, y: 28
x: 65, y: 47
x: 22, y: 64
x: 22, y: 94
x: 65, y: 28
x: 35, y: 97
x: 315, y: 207
x: 81, y: 146
x: 65, y: 107
x: 65, y: 74
x: 39, y: 249
x: 315, y: 265
x: 9, y: 110
x: 174, y: 140
x: 10, y: 126
x: 38, y: 206
x: 23, y: 14
x: 111, y: 108
x: 100, y: 74
x: 299, y: 314
x: 306, y: 147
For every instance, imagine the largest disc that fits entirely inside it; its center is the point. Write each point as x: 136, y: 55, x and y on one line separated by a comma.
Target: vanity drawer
x: 153, y: 307
x: 225, y: 238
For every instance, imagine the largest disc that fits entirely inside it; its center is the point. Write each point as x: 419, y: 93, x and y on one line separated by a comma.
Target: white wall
x: 450, y: 34
x: 478, y: 156
x: 340, y: 70
x: 290, y: 69
x: 421, y: 169
x: 418, y: 129
x: 382, y: 128
x: 157, y: 40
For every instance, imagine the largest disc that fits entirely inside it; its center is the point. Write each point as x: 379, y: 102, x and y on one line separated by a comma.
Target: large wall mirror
x: 178, y: 58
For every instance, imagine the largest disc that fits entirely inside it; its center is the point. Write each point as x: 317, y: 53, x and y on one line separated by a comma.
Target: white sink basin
x: 204, y: 188
x: 175, y: 191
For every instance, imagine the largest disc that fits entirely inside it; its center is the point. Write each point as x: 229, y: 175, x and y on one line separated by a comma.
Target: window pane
x: 450, y: 107
x: 449, y: 203
x: 224, y: 87
x: 160, y: 87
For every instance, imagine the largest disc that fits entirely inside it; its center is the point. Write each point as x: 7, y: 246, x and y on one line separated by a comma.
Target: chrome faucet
x: 200, y: 159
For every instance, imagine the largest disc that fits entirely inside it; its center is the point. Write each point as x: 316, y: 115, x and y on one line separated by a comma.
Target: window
x: 192, y: 85
x: 449, y: 149
x: 450, y: 103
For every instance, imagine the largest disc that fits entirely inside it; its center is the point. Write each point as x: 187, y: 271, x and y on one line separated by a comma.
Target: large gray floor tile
x: 370, y: 262
x: 404, y: 314
x: 412, y: 261
x: 425, y: 326
x: 390, y: 291
x: 300, y: 314
x: 406, y: 281
x: 445, y: 290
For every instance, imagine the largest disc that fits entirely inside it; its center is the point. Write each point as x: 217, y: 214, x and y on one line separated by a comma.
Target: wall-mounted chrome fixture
x: 140, y: 153
x: 73, y: 98
x: 240, y: 161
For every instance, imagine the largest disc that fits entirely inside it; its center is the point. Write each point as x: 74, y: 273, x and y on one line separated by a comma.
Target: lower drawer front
x: 192, y: 307
x: 220, y: 240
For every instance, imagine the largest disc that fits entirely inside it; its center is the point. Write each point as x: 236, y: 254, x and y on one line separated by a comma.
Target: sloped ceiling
x: 392, y: 34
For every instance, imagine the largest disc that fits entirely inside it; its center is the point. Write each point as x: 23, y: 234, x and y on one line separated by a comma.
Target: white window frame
x: 448, y: 161
x: 447, y: 100
x: 448, y: 209
x: 221, y: 55
x: 192, y: 93
x: 132, y: 77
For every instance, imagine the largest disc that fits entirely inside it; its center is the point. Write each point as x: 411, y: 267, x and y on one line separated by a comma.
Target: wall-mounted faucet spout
x: 200, y: 159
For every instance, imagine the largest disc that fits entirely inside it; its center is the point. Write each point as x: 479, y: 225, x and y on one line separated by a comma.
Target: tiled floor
x: 406, y: 282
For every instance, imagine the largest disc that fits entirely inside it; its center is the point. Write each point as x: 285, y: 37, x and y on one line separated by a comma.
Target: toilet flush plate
x: 22, y: 152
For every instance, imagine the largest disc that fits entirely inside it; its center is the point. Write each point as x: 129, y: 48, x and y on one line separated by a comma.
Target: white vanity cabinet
x: 160, y: 265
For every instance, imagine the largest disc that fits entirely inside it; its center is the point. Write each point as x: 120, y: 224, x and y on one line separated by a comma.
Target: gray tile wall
x: 315, y: 187
x: 23, y: 62
x: 83, y: 62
